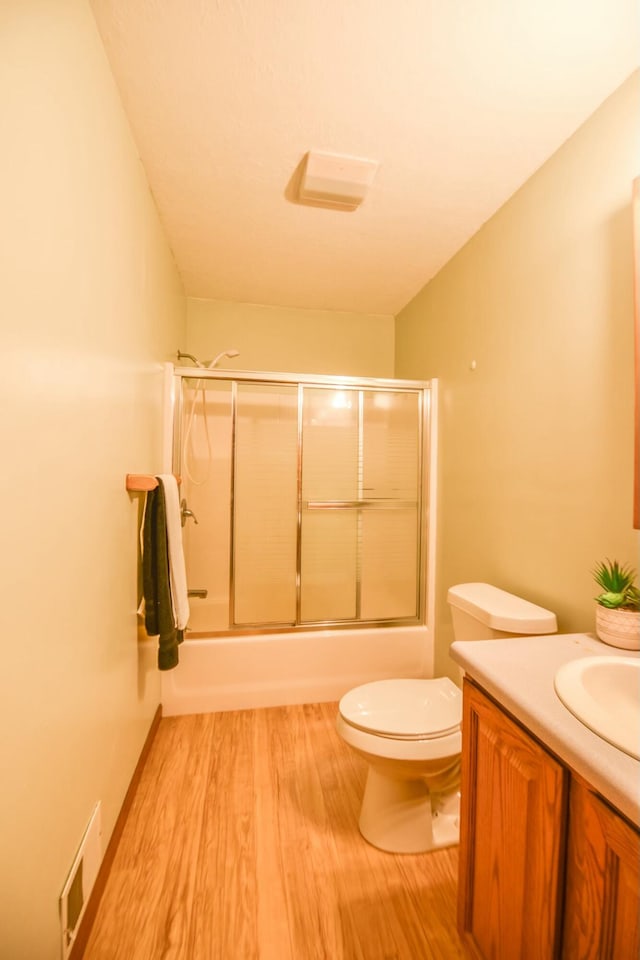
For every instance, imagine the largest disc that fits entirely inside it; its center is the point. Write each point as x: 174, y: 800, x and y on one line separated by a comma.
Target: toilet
x: 409, y: 730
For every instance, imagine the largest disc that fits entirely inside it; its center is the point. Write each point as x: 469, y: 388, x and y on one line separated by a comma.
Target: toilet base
x: 402, y: 816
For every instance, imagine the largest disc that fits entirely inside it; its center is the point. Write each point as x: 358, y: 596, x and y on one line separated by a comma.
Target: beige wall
x: 536, y: 443
x: 287, y: 339
x: 91, y: 306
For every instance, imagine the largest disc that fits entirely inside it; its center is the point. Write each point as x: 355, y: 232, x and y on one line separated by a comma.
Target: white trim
x: 167, y: 417
x: 432, y: 523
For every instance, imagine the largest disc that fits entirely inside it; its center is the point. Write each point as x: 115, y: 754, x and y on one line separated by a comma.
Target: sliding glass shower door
x: 312, y: 500
x: 360, y: 500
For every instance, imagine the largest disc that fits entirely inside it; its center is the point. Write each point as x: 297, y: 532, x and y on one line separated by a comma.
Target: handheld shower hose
x: 199, y: 387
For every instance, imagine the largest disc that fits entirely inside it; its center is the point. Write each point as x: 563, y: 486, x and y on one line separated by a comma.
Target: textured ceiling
x: 459, y: 101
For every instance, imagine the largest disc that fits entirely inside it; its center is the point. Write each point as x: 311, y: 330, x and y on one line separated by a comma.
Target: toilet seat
x: 404, y: 709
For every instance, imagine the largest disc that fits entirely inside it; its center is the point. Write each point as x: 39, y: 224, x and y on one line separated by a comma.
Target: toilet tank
x: 481, y: 611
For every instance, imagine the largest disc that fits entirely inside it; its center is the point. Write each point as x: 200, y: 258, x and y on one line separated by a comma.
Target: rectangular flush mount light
x: 329, y: 179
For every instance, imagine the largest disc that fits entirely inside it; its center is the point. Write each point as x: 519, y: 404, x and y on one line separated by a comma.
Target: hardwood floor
x: 242, y: 844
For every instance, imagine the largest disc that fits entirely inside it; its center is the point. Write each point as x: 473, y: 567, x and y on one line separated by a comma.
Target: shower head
x: 225, y: 353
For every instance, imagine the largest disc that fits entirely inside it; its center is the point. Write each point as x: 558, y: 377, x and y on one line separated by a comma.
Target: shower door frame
x: 427, y: 391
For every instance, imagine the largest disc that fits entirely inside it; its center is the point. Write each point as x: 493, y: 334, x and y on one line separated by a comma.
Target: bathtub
x: 238, y: 673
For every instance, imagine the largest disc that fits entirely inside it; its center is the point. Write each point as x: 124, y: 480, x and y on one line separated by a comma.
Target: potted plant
x: 618, y: 610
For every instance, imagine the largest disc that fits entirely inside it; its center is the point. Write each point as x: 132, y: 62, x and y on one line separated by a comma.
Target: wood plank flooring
x: 242, y: 844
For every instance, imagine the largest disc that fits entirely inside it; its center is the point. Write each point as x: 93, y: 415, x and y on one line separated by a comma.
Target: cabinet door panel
x: 602, y: 909
x: 513, y: 808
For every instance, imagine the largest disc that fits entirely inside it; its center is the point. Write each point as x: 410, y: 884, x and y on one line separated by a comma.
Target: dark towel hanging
x: 158, y: 618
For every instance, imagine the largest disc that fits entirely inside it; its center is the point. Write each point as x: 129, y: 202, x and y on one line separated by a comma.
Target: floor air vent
x: 80, y: 881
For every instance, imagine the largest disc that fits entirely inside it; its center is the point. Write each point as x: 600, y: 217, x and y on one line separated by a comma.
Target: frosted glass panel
x: 265, y: 504
x: 329, y: 559
x: 390, y: 445
x: 330, y: 445
x: 389, y: 564
x: 205, y: 467
x: 329, y: 538
x: 390, y: 537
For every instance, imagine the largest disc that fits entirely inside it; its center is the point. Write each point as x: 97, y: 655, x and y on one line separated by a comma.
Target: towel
x: 177, y: 571
x: 159, y: 618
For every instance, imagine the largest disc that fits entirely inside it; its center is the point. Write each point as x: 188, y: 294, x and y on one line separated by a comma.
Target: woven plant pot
x: 618, y: 628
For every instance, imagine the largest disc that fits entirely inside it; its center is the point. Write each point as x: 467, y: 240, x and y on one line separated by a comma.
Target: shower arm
x: 208, y: 364
x: 188, y: 356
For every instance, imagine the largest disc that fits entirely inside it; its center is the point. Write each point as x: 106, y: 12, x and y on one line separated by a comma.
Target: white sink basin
x: 604, y: 694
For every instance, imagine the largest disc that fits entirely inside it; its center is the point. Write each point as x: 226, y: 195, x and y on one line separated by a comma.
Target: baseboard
x: 86, y: 924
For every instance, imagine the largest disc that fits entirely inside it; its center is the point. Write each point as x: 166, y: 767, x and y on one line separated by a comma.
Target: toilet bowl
x: 409, y: 731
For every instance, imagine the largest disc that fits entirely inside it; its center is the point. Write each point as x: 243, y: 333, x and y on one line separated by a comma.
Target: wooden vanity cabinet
x: 511, y: 838
x: 547, y: 869
x: 602, y: 908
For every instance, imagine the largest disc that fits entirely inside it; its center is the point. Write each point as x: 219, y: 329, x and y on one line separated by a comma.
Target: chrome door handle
x: 185, y: 513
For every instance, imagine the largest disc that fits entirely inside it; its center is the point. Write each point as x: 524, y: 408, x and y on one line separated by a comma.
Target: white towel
x: 177, y: 571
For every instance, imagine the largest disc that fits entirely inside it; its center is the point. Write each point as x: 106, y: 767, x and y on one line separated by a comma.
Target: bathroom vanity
x: 550, y: 823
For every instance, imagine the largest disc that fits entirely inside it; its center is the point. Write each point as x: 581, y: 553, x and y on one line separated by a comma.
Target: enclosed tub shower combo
x: 308, y: 506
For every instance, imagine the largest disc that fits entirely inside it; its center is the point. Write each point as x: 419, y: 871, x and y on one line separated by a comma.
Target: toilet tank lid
x: 501, y: 610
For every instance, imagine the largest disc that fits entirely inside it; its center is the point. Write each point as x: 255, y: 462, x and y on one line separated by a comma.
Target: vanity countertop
x: 519, y: 674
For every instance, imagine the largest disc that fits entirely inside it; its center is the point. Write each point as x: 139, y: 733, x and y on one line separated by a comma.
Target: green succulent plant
x: 618, y: 585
